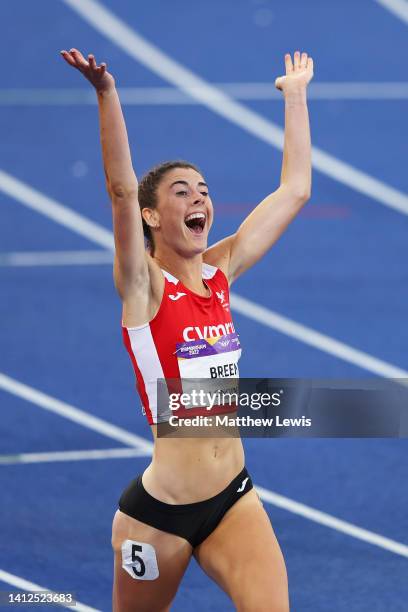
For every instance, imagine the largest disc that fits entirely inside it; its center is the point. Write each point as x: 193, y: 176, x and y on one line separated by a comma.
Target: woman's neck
x: 188, y: 271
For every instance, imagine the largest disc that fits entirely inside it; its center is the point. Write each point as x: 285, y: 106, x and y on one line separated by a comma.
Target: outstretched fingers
x: 299, y: 70
x: 77, y: 60
x: 98, y: 76
x: 300, y: 62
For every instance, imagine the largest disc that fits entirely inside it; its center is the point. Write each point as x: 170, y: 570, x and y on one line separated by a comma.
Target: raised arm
x: 265, y: 224
x: 131, y: 269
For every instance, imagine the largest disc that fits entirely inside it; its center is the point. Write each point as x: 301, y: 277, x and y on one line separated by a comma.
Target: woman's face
x: 184, y: 211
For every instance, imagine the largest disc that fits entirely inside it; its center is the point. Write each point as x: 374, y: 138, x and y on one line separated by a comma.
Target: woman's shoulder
x: 215, y: 275
x: 218, y: 255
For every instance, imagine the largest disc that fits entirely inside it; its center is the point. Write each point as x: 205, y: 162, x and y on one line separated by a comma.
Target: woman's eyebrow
x: 182, y: 183
x: 201, y: 183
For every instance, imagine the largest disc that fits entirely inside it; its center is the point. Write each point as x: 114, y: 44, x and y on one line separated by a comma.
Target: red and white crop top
x: 191, y: 336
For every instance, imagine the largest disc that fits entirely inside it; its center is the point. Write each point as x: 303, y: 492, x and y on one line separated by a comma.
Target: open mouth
x: 195, y: 222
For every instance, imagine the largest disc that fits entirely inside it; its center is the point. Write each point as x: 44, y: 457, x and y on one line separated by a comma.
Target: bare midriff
x: 188, y: 470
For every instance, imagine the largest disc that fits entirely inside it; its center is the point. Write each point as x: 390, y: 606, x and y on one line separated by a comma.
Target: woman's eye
x: 204, y: 193
x: 181, y: 193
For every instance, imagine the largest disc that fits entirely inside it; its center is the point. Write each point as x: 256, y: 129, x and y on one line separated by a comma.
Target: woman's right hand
x: 96, y: 75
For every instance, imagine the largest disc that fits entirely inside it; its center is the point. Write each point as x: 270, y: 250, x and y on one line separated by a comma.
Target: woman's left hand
x: 299, y: 73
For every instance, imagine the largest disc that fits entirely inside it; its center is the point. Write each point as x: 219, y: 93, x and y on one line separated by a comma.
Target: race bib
x: 139, y: 560
x: 210, y: 358
x: 213, y: 358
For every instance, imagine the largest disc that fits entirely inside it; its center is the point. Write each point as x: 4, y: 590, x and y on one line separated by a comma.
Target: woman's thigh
x: 243, y: 556
x: 155, y: 562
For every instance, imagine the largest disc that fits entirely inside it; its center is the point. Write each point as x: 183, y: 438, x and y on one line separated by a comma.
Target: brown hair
x: 148, y: 189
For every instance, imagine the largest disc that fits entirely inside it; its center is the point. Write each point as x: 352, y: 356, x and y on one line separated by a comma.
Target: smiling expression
x: 184, y: 212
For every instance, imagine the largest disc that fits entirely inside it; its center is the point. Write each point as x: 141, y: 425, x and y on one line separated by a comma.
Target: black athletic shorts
x: 193, y: 522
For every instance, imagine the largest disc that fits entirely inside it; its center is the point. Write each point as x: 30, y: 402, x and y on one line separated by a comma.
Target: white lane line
x: 158, y: 96
x: 254, y: 311
x: 398, y: 7
x: 56, y: 258
x: 50, y: 208
x: 46, y: 97
x: 72, y: 414
x: 83, y: 455
x: 342, y: 90
x: 213, y: 98
x: 309, y: 336
x: 332, y: 522
x: 141, y: 443
x: 25, y: 585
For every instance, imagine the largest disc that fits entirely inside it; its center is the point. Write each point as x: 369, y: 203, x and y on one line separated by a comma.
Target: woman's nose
x: 198, y: 198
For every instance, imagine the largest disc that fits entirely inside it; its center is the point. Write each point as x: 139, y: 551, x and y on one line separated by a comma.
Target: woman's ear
x: 151, y: 217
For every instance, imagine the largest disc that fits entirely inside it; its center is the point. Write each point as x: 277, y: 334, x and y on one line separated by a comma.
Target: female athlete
x: 195, y: 497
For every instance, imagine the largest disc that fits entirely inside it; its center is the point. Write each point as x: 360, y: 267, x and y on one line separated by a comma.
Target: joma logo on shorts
x: 208, y: 331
